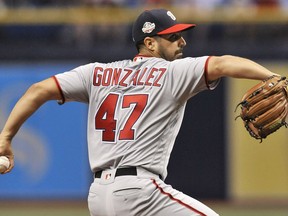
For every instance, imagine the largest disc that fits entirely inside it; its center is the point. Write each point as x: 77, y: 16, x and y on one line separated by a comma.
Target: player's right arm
x: 34, y: 97
x: 236, y: 67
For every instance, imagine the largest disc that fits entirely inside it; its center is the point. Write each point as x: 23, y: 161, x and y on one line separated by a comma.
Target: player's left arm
x: 236, y: 67
x: 30, y: 102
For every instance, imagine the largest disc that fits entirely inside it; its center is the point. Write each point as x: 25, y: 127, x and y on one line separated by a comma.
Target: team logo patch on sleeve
x: 148, y: 27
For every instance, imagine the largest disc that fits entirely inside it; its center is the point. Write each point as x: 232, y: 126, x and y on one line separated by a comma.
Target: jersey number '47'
x: 106, y: 119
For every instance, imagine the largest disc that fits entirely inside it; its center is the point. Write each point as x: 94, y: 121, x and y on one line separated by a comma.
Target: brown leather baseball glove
x: 264, y: 107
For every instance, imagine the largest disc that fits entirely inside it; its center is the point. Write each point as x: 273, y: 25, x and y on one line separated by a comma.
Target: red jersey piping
x: 206, y: 71
x: 177, y: 200
x: 62, y: 101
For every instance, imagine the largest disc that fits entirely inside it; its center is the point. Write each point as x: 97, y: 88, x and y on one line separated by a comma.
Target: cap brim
x: 176, y: 28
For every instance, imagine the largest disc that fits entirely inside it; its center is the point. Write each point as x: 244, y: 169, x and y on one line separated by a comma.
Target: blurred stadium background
x: 214, y: 159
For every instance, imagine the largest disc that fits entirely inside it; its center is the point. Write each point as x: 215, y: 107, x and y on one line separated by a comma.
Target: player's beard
x: 169, y: 56
x: 179, y: 54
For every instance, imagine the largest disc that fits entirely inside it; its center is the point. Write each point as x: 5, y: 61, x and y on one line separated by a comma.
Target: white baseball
x: 4, y: 163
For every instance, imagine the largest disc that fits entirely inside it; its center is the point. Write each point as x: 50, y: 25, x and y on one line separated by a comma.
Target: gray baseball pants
x: 144, y: 194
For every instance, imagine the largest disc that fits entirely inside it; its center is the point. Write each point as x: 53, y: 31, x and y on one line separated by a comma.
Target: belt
x: 120, y: 172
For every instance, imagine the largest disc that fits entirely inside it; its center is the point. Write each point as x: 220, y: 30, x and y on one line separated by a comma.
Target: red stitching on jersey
x: 62, y: 101
x: 177, y: 200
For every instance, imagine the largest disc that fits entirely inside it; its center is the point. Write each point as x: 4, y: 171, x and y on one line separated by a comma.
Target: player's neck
x: 148, y: 53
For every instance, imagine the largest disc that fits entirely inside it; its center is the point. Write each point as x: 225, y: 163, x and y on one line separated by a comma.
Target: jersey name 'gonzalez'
x: 122, y: 77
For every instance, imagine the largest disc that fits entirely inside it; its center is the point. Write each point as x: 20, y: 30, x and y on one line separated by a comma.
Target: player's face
x: 170, y: 46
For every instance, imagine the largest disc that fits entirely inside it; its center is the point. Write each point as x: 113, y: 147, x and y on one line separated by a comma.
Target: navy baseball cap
x: 156, y: 22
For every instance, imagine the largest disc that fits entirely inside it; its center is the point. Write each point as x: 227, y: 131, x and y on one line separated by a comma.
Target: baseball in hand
x: 4, y: 164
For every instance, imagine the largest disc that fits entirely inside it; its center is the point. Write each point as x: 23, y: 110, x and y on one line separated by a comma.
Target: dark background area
x: 61, y: 42
x: 198, y: 162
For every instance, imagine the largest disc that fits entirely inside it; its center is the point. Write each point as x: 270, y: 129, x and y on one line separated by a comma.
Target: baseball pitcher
x: 135, y: 111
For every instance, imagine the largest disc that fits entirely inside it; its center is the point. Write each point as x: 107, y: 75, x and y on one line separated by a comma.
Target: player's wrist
x: 6, y: 136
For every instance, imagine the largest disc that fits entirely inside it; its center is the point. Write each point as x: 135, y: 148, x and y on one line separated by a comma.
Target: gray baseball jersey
x: 135, y: 108
x: 135, y: 112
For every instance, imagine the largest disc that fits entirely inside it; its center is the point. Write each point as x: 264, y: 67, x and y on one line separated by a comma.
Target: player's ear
x: 149, y: 42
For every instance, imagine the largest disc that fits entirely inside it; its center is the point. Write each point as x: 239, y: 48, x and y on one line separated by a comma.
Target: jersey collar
x: 140, y: 57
